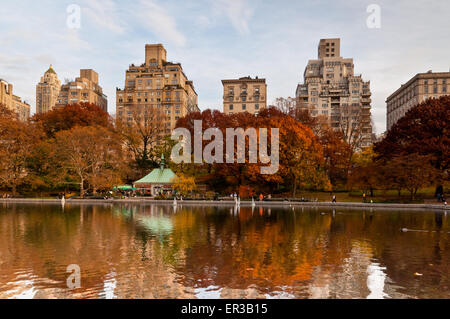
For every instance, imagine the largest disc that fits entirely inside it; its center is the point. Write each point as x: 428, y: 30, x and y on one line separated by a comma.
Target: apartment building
x: 417, y: 90
x: 156, y: 93
x: 332, y: 90
x: 85, y: 89
x: 244, y: 95
x: 13, y: 102
x: 47, y: 91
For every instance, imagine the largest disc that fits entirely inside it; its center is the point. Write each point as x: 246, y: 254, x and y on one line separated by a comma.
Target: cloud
x: 104, y: 14
x: 72, y: 38
x: 155, y: 17
x: 239, y: 12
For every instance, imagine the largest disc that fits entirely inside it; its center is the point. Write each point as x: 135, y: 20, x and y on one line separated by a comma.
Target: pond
x: 161, y: 251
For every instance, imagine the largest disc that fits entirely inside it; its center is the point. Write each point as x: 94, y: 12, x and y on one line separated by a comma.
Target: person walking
x: 334, y: 199
x: 261, y: 197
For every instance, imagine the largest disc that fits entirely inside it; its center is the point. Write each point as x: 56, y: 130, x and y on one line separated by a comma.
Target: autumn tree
x: 365, y: 171
x: 42, y: 167
x: 337, y: 155
x: 16, y: 141
x: 142, y: 133
x: 424, y: 130
x: 411, y: 172
x: 90, y: 155
x: 69, y: 116
x: 285, y: 105
x: 336, y: 150
x: 300, y: 155
x: 184, y: 184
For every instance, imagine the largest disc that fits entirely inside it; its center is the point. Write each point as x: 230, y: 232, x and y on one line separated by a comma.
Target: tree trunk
x: 14, y: 190
x: 82, y: 188
x: 295, y: 187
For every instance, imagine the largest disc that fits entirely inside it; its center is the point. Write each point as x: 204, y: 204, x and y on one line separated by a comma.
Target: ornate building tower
x: 156, y: 93
x: 333, y: 91
x: 47, y: 91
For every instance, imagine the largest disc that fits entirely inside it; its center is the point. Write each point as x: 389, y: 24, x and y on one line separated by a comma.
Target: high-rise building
x: 13, y: 102
x: 47, y: 91
x: 332, y: 90
x: 157, y: 92
x: 244, y: 95
x: 84, y: 89
x: 420, y: 88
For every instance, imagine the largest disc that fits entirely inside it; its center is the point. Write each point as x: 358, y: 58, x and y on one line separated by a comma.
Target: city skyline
x: 219, y: 40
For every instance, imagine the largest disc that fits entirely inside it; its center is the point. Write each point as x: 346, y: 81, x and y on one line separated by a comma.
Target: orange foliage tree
x: 89, y: 155
x: 300, y: 154
x: 16, y: 140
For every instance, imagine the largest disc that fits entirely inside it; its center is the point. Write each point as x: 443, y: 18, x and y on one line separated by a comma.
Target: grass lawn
x: 380, y: 196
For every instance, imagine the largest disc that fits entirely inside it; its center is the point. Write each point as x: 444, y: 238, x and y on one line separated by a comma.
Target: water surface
x: 150, y: 251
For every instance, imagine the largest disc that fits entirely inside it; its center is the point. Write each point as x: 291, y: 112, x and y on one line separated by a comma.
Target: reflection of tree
x: 301, y: 252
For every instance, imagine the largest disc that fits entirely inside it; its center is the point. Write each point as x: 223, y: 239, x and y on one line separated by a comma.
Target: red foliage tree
x: 424, y: 130
x: 65, y: 118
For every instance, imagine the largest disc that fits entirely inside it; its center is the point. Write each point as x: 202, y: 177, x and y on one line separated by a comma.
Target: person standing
x: 334, y: 199
x: 261, y: 197
x: 364, y: 197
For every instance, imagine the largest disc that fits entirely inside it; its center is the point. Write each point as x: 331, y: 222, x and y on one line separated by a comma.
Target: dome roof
x: 50, y: 70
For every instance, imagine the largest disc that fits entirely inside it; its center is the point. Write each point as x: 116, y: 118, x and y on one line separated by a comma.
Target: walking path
x: 230, y: 203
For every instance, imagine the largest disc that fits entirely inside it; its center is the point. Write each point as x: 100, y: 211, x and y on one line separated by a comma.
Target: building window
x: 256, y: 106
x: 231, y: 106
x: 244, y: 106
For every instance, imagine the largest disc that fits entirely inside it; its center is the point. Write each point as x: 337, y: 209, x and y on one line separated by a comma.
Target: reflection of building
x: 47, y: 91
x: 13, y: 102
x: 332, y: 90
x: 84, y: 89
x: 421, y: 87
x: 157, y: 92
x: 159, y: 181
x: 244, y: 95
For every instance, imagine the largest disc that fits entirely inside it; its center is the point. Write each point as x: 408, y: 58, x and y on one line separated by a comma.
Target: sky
x: 222, y: 39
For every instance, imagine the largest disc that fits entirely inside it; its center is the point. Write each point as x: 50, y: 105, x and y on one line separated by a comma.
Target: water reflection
x: 375, y: 281
x: 149, y: 251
